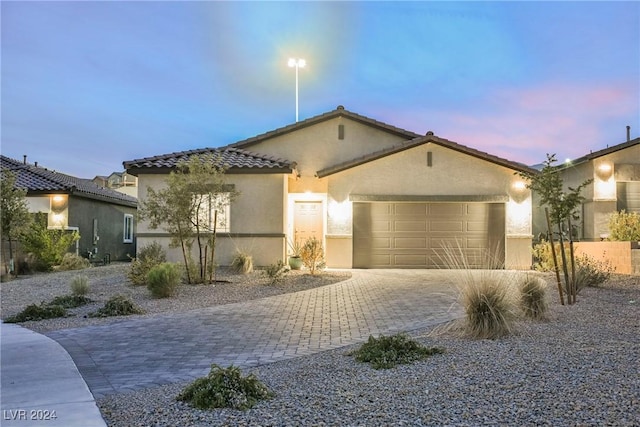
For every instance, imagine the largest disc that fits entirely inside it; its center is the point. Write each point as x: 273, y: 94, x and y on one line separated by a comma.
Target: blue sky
x: 88, y: 85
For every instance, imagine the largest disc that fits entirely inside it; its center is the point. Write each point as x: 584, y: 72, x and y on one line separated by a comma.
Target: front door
x: 307, y: 221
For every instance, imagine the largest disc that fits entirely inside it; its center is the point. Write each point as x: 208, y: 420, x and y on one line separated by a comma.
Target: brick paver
x: 168, y: 348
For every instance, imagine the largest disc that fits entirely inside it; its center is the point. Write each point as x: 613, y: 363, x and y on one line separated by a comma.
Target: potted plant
x: 295, y: 261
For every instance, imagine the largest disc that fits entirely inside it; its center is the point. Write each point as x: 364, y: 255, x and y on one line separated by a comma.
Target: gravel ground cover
x: 578, y: 368
x: 108, y: 281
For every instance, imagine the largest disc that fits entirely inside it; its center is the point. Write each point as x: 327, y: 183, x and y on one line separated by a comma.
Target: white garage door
x: 413, y: 234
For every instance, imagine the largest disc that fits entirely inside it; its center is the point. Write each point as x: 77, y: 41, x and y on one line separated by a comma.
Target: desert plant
x: 388, y: 351
x: 70, y: 301
x: 543, y: 257
x: 242, y: 263
x: 48, y: 245
x: 163, y: 279
x: 624, y: 226
x: 590, y: 272
x: 118, y: 305
x: 533, y: 297
x: 148, y: 257
x: 73, y: 262
x: 312, y: 254
x: 225, y: 388
x: 79, y: 285
x: 276, y: 272
x: 37, y: 312
x: 487, y: 296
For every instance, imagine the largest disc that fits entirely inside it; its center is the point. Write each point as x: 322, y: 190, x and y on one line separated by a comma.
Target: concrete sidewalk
x: 40, y: 384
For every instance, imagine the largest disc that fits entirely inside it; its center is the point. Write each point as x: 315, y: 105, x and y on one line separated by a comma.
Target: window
x: 128, y: 228
x: 207, y: 212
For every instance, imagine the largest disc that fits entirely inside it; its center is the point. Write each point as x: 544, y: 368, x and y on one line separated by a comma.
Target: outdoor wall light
x: 604, y: 171
x: 58, y: 203
x: 518, y: 191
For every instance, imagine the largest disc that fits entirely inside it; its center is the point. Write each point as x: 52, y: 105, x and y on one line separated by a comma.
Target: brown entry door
x: 307, y: 221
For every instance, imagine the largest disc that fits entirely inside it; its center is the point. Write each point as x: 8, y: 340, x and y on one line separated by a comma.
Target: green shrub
x: 312, y: 254
x: 70, y: 301
x: 242, y: 263
x: 148, y: 257
x: 163, y: 279
x: 47, y: 246
x: 388, y: 351
x: 590, y: 272
x: 118, y: 305
x: 73, y: 262
x: 79, y: 285
x: 276, y: 272
x: 533, y: 297
x: 624, y: 226
x: 225, y: 388
x: 38, y: 312
x: 543, y: 257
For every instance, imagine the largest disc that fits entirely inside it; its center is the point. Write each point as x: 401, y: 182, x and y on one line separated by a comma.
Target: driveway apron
x: 145, y: 352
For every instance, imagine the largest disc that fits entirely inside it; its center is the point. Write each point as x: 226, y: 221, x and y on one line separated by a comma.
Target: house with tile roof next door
x: 377, y: 196
x: 104, y: 218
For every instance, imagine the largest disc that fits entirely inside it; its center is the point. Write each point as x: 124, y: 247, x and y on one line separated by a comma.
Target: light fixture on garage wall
x: 604, y: 171
x: 518, y: 191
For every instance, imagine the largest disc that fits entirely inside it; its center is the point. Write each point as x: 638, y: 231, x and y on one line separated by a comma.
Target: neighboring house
x: 377, y: 196
x: 615, y: 172
x: 119, y: 181
x: 103, y: 217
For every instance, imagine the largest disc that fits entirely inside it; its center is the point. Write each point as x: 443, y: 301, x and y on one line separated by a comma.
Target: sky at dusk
x: 88, y: 85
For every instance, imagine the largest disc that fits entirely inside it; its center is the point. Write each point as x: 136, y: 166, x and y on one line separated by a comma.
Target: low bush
x: 276, y: 272
x: 79, y: 285
x: 533, y: 297
x: 73, y: 262
x: 225, y: 388
x: 624, y: 226
x: 388, y: 351
x: 312, y: 254
x: 37, y: 312
x: 488, y: 308
x: 70, y: 301
x: 543, y: 257
x: 590, y: 272
x: 163, y: 279
x: 242, y: 263
x: 118, y: 305
x: 148, y: 257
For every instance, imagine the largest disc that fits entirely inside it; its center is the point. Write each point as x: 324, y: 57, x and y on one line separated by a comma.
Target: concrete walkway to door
x: 146, y: 352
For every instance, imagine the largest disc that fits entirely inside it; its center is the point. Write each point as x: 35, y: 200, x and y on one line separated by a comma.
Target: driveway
x: 145, y: 352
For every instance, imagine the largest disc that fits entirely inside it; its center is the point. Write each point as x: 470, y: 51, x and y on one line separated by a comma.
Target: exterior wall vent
x: 340, y: 131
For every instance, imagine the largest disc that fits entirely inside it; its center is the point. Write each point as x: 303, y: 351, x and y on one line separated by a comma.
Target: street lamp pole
x: 297, y: 63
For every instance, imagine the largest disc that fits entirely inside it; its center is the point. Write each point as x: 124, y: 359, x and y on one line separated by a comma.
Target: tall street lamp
x: 297, y: 63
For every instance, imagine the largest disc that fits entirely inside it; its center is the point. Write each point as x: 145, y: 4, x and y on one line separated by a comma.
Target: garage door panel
x: 417, y: 226
x: 414, y: 234
x: 410, y: 242
x: 439, y: 226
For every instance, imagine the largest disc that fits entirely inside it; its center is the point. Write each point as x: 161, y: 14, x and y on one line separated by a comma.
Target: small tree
x: 188, y: 209
x: 14, y: 214
x: 560, y: 207
x: 47, y: 245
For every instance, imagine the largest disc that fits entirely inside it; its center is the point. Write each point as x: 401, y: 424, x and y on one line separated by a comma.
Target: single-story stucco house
x: 377, y: 196
x: 615, y: 171
x: 104, y: 218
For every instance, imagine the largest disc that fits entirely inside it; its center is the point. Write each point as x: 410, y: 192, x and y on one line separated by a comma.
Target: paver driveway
x: 168, y: 348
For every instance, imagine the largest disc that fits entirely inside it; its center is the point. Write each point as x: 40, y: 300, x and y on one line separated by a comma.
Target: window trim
x: 128, y: 229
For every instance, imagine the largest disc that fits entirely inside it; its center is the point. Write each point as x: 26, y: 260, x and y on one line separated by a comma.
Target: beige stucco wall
x: 600, y: 196
x: 257, y: 218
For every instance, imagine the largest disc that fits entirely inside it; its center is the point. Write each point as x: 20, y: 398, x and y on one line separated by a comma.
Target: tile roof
x: 235, y: 159
x: 429, y: 138
x: 338, y: 112
x: 600, y: 153
x: 39, y: 180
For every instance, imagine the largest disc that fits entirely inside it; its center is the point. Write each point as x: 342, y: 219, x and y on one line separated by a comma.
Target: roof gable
x: 429, y: 138
x: 235, y: 159
x: 338, y: 112
x: 38, y: 180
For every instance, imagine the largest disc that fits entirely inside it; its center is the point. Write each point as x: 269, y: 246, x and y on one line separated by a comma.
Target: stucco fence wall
x: 624, y: 257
